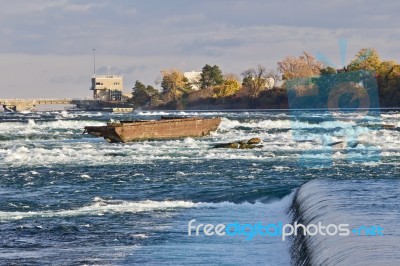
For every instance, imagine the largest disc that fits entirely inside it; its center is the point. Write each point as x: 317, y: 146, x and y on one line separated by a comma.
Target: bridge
x: 18, y: 105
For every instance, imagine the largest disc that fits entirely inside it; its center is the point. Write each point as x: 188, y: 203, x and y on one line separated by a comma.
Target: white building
x: 194, y: 79
x: 107, y: 87
x: 269, y: 83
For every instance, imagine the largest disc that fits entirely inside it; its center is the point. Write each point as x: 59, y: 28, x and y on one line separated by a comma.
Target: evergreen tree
x: 211, y: 76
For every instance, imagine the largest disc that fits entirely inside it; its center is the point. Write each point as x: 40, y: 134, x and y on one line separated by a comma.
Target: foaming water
x: 72, y: 198
x: 283, y: 136
x: 357, y: 203
x: 101, y: 207
x: 199, y: 249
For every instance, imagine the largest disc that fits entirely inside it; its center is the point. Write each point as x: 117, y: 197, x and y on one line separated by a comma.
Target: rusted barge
x: 165, y: 128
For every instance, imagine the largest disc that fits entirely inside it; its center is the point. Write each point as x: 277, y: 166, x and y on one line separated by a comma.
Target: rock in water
x: 232, y: 145
x: 243, y: 144
x: 254, y: 141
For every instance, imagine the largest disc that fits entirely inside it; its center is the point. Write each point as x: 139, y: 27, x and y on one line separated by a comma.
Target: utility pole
x: 94, y: 62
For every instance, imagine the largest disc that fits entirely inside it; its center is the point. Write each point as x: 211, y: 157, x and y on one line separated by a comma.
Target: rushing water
x: 68, y: 198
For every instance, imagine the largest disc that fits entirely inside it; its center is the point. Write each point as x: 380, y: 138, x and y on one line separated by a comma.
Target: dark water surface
x: 68, y: 198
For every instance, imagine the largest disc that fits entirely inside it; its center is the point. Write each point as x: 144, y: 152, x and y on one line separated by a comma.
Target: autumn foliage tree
x: 298, y: 67
x: 174, y: 84
x: 369, y: 70
x: 229, y: 86
x: 366, y: 59
x: 387, y: 74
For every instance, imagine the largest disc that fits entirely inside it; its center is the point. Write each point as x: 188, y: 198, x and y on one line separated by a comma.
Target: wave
x: 229, y: 124
x: 94, y: 151
x: 100, y: 206
x: 60, y: 141
x: 359, y: 203
x: 7, y: 127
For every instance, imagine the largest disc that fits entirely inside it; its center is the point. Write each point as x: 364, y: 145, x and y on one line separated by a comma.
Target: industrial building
x: 107, y: 87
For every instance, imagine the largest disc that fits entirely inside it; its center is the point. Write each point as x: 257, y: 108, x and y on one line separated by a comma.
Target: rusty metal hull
x: 155, y: 130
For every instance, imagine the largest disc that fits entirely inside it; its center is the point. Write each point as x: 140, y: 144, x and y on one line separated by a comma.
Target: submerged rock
x: 233, y: 145
x: 341, y: 144
x: 254, y: 141
x: 379, y: 126
x: 241, y: 144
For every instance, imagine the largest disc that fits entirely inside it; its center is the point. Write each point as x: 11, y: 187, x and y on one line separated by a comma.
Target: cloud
x: 139, y: 38
x: 210, y: 47
x: 133, y: 27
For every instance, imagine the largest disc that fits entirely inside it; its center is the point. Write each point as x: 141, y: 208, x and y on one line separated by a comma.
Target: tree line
x: 259, y: 87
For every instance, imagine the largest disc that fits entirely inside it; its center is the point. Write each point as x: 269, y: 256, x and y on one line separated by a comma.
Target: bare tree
x: 254, y: 80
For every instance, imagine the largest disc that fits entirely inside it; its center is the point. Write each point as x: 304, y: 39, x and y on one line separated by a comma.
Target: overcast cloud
x: 46, y: 46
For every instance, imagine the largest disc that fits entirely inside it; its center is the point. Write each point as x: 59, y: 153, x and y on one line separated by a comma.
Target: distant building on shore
x: 107, y: 87
x: 269, y: 83
x: 194, y: 79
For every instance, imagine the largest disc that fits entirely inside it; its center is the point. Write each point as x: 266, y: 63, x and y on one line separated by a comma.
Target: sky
x: 46, y: 47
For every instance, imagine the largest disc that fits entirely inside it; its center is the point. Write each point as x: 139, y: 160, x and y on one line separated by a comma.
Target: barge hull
x: 156, y: 130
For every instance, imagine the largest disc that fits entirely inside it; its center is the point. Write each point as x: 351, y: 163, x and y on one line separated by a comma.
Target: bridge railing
x: 35, y: 100
x: 17, y: 101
